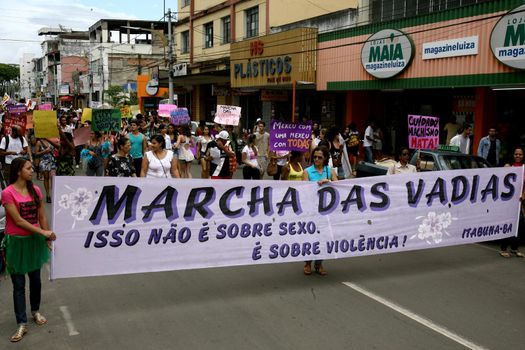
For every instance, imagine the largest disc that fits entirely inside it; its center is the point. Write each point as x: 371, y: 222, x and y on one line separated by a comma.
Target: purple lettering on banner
x: 180, y: 116
x: 423, y: 132
x: 287, y: 136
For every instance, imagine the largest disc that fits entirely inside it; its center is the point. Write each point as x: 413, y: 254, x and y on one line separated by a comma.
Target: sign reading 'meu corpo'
x: 507, y: 40
x: 131, y: 225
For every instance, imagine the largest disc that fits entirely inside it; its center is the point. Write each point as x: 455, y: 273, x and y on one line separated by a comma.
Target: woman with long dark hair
x: 93, y: 153
x: 121, y: 164
x: 27, y: 234
x: 251, y: 169
x: 321, y: 173
x: 159, y: 162
x: 202, y: 147
x: 46, y: 151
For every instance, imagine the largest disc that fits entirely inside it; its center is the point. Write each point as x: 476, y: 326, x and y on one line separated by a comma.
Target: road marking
x: 419, y: 319
x: 69, y: 321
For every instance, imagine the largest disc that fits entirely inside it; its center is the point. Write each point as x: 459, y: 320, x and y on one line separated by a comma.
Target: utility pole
x: 170, y: 59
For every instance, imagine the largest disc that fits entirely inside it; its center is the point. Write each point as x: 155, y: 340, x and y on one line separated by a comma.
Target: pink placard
x: 165, y: 110
x: 227, y: 115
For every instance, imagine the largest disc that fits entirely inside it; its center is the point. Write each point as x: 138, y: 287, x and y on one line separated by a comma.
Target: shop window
x: 226, y: 30
x: 185, y: 3
x: 208, y: 35
x: 252, y: 22
x: 185, y: 42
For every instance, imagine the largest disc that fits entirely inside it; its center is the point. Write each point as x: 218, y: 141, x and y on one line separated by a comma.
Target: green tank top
x: 136, y: 145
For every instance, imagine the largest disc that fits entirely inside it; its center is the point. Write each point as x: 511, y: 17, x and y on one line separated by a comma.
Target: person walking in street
x: 251, y: 170
x: 27, y: 234
x: 121, y: 164
x: 262, y: 142
x: 219, y: 154
x: 321, y: 173
x: 339, y: 160
x: 93, y: 154
x: 293, y: 170
x: 159, y: 162
x: 368, y: 142
x: 202, y: 147
x: 490, y: 147
x: 280, y: 158
x: 186, y: 157
x: 352, y: 145
x: 138, y: 145
x: 47, y: 152
x: 514, y: 241
x: 11, y: 147
x: 462, y: 140
x: 66, y: 155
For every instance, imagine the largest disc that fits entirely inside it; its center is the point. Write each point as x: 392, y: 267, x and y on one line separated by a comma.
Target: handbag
x: 272, y: 169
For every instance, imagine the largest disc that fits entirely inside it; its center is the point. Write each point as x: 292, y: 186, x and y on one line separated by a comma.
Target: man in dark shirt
x: 489, y: 147
x: 219, y: 153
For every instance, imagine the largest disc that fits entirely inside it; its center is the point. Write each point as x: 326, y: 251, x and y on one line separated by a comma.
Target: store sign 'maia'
x: 387, y: 53
x: 507, y: 40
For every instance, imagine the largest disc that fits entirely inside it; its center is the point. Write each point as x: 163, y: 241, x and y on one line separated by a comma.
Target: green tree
x: 114, y: 94
x: 9, y: 74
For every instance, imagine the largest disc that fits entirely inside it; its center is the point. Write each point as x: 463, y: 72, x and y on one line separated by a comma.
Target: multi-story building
x: 212, y: 36
x: 27, y: 81
x: 120, y: 50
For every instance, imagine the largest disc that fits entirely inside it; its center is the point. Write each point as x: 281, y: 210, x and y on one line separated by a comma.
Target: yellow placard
x: 86, y: 114
x: 45, y: 124
x: 125, y: 111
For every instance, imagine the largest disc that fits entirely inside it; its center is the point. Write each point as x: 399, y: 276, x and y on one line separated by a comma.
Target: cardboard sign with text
x: 423, y: 132
x: 106, y: 120
x: 286, y: 136
x: 81, y: 136
x: 227, y: 115
x: 45, y: 124
x: 180, y: 116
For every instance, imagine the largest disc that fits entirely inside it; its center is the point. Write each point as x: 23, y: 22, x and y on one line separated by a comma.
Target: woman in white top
x: 184, y: 143
x: 251, y: 169
x: 202, y: 147
x: 159, y: 162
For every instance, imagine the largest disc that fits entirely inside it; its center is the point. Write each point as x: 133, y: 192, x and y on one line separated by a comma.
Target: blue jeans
x: 19, y: 294
x: 369, y: 155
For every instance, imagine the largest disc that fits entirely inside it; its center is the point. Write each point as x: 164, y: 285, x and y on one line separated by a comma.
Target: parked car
x: 432, y: 160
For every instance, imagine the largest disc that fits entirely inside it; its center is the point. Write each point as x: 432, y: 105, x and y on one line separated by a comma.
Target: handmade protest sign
x: 15, y: 115
x: 423, y: 132
x: 45, y: 106
x: 180, y: 116
x: 87, y: 114
x: 108, y: 226
x: 227, y: 115
x: 125, y: 111
x: 81, y: 135
x: 45, y: 124
x: 286, y: 136
x: 106, y: 120
x: 165, y: 109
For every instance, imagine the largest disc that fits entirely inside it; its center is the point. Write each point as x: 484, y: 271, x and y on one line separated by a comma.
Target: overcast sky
x: 22, y: 19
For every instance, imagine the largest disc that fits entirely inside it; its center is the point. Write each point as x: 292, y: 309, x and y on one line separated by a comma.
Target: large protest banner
x: 227, y: 115
x: 180, y: 116
x: 106, y: 120
x: 423, y: 132
x: 45, y: 124
x: 109, y: 226
x: 286, y: 136
x: 16, y: 115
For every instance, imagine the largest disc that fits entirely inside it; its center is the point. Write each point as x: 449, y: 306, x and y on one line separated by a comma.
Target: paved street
x: 449, y: 298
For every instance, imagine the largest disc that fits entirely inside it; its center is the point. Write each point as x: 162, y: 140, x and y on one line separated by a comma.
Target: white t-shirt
x: 167, y: 139
x: 370, y: 133
x: 159, y: 168
x: 462, y: 142
x: 15, y: 145
x: 250, y: 156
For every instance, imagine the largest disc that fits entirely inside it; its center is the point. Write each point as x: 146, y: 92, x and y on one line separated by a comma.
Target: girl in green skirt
x: 27, y: 235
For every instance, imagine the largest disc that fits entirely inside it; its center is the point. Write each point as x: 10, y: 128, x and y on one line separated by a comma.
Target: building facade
x: 459, y: 63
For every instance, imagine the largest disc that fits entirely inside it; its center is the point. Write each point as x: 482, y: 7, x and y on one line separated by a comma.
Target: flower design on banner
x: 433, y: 227
x: 77, y: 201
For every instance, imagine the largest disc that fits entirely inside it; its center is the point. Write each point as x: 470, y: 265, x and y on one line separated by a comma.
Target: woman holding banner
x: 320, y: 172
x: 514, y: 241
x: 27, y: 235
x: 47, y: 152
x: 159, y: 162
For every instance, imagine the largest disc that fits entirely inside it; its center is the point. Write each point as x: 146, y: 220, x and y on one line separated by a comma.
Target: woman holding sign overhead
x: 320, y: 172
